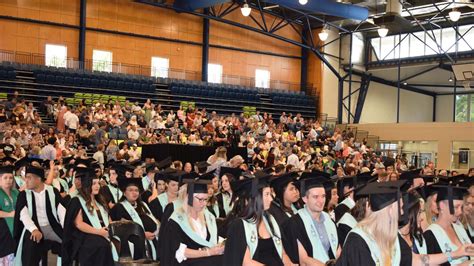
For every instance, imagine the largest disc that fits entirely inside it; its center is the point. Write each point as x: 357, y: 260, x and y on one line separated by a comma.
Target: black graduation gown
x: 220, y: 204
x: 297, y: 231
x: 173, y: 237
x: 118, y: 212
x: 155, y: 206
x: 33, y: 252
x: 339, y: 211
x: 471, y: 237
x: 7, y: 243
x: 88, y: 249
x: 236, y: 245
x: 356, y: 252
x: 107, y: 195
x: 169, y: 209
x: 342, y: 232
x: 279, y: 214
x: 432, y: 246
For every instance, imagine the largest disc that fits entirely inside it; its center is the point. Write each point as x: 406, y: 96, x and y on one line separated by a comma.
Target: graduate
x: 223, y: 198
x: 254, y: 237
x: 286, y: 195
x: 8, y: 197
x: 312, y: 234
x: 410, y: 228
x: 86, y: 236
x: 159, y: 202
x: 131, y: 207
x: 345, y: 188
x: 111, y: 192
x: 39, y: 217
x: 447, y: 234
x: 191, y: 231
x: 350, y: 219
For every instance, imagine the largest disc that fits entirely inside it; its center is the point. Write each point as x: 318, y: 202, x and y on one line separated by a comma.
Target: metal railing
x: 132, y: 69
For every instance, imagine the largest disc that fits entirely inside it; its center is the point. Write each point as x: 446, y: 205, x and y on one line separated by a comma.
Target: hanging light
x: 245, y: 9
x: 450, y: 79
x: 454, y: 15
x: 383, y: 31
x: 323, y: 35
x: 303, y: 2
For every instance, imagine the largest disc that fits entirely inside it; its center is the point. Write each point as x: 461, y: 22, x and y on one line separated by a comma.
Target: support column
x: 82, y: 33
x: 205, y: 46
x: 304, y: 62
x: 434, y: 108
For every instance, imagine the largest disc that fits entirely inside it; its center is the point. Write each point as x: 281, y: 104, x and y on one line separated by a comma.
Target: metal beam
x: 82, y: 33
x: 419, y: 73
x: 434, y: 108
x: 393, y: 83
x: 304, y: 63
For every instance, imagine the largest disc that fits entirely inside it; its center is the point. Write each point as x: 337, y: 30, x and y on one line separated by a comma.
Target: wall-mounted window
x: 160, y: 67
x: 214, y: 73
x: 262, y: 78
x: 464, y: 108
x: 56, y: 55
x: 102, y: 61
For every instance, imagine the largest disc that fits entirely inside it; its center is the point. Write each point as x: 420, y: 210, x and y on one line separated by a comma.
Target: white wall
x: 381, y: 105
x: 329, y: 90
x: 444, y: 108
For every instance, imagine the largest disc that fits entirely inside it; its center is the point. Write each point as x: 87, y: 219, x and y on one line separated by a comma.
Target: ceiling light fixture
x: 405, y: 83
x: 323, y: 35
x: 450, y: 79
x: 245, y: 9
x: 454, y: 15
x: 383, y: 31
x: 303, y: 2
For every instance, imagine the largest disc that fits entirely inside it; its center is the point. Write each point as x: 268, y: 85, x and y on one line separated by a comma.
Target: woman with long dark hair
x: 224, y: 198
x: 132, y: 208
x: 283, y: 206
x: 86, y: 237
x: 411, y: 232
x: 254, y: 238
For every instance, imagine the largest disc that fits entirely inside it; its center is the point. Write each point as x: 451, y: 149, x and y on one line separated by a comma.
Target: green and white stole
x: 319, y: 252
x: 29, y: 206
x: 445, y: 243
x: 251, y: 235
x: 145, y: 182
x: 163, y: 199
x: 136, y: 218
x: 227, y: 205
x: 62, y: 183
x: 19, y: 181
x: 471, y: 231
x: 8, y: 204
x: 349, y: 202
x: 375, y: 250
x: 116, y: 193
x: 95, y: 222
x: 182, y: 220
x: 422, y: 249
x: 348, y: 220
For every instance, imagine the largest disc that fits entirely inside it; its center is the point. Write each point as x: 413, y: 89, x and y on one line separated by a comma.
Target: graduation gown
x: 119, y: 212
x: 7, y: 243
x: 356, y: 252
x: 432, y: 243
x: 223, y: 203
x: 344, y: 206
x: 158, y: 205
x: 280, y: 215
x: 111, y: 193
x: 344, y: 226
x: 176, y: 233
x: 470, y: 233
x: 28, y: 251
x: 88, y: 249
x: 266, y: 251
x: 162, y: 248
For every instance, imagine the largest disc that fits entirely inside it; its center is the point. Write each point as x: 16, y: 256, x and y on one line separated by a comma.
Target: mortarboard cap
x: 202, y: 166
x: 198, y: 184
x: 164, y: 163
x: 249, y: 187
x: 450, y: 193
x: 86, y: 175
x: 123, y: 183
x: 426, y: 191
x: 321, y: 173
x: 38, y: 171
x: 235, y: 172
x: 67, y: 160
x: 177, y: 176
x: 85, y: 162
x: 21, y: 163
x: 310, y: 180
x: 6, y: 169
x: 9, y: 159
x: 410, y: 175
x: 279, y: 183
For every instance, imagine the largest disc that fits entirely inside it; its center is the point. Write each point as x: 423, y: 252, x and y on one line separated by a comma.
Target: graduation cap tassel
x: 302, y: 188
x: 450, y: 199
x: 190, y: 193
x: 405, y: 207
x: 254, y: 187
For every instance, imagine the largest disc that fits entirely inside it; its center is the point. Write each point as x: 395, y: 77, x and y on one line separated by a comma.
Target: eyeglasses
x: 202, y: 200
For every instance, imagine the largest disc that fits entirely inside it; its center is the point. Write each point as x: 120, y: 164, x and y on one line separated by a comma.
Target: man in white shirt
x: 72, y: 121
x: 48, y: 152
x: 133, y: 133
x: 293, y: 158
x: 66, y: 116
x: 39, y: 219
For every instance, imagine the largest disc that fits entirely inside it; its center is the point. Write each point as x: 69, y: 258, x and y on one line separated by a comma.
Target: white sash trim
x: 445, y: 243
x: 163, y: 199
x: 375, y: 250
x: 349, y: 202
x: 251, y: 235
x: 182, y: 220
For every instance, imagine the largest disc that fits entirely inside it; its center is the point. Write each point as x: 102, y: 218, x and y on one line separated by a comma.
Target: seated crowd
x: 305, y: 194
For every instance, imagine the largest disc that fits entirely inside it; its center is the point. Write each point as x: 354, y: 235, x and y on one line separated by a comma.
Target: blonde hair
x: 184, y: 209
x: 382, y: 227
x: 428, y: 206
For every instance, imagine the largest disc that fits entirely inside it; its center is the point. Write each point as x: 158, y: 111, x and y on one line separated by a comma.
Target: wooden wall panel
x: 127, y: 16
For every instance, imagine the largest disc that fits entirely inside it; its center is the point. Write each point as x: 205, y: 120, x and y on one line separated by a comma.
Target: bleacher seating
x: 7, y: 72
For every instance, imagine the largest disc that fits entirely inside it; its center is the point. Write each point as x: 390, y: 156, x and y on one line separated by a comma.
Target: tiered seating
x: 291, y: 98
x: 79, y: 78
x: 214, y: 91
x: 92, y: 98
x: 7, y: 72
